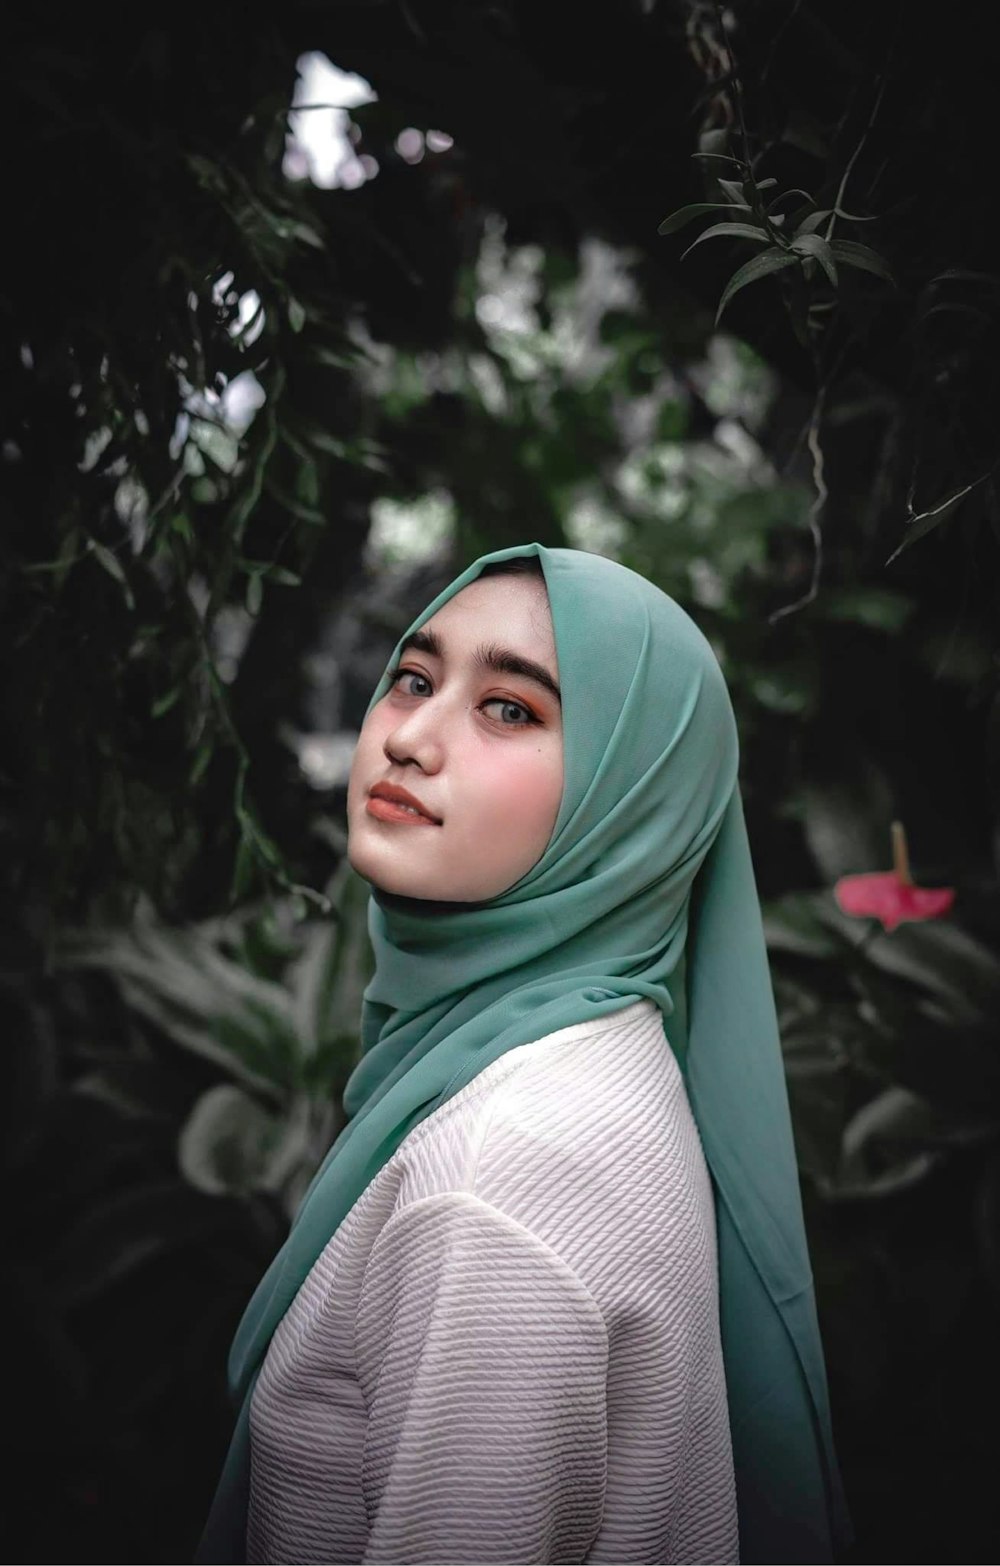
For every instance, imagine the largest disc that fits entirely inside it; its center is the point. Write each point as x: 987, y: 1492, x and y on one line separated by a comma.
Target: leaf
x: 810, y: 224
x: 255, y: 594
x: 926, y: 521
x: 328, y: 981
x: 231, y: 1145
x: 793, y: 925
x: 816, y: 247
x: 954, y: 307
x: 684, y: 215
x: 224, y: 1142
x: 738, y: 230
x: 733, y: 189
x: 862, y: 257
x: 878, y: 609
x: 122, y: 1233
x: 885, y: 1147
x: 113, y: 567
x: 773, y: 260
x: 308, y: 236
x: 244, y: 867
x: 722, y: 157
x: 943, y: 959
x: 164, y: 703
x: 960, y: 274
x: 297, y: 508
x: 792, y: 191
x: 296, y: 315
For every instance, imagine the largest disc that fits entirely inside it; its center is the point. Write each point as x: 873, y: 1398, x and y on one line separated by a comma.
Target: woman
x: 548, y: 1298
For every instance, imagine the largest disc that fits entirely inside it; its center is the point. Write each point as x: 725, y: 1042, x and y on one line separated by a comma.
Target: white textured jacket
x: 510, y: 1349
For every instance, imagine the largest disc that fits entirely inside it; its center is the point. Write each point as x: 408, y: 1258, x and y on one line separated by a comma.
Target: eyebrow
x: 488, y: 658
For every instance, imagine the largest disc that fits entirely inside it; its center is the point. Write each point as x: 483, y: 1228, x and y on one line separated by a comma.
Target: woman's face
x: 479, y: 747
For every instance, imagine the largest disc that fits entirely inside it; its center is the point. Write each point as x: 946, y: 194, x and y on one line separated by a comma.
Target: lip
x: 387, y: 795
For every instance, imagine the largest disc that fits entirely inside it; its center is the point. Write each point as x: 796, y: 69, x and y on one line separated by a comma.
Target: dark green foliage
x: 182, y: 976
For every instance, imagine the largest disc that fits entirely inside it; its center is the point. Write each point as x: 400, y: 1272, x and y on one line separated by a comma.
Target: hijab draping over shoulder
x: 645, y: 889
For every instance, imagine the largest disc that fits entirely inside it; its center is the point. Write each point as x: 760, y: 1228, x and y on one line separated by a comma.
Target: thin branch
x: 815, y: 511
x: 848, y: 170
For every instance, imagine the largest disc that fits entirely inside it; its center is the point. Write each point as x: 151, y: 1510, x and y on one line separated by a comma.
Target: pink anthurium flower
x: 890, y: 895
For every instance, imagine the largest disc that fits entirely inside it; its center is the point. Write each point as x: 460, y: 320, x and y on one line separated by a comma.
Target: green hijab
x: 645, y: 889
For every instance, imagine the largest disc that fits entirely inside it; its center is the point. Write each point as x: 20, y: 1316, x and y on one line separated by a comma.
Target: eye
x: 505, y: 701
x: 395, y: 675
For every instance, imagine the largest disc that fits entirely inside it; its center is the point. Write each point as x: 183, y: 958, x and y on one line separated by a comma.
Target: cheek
x: 525, y: 788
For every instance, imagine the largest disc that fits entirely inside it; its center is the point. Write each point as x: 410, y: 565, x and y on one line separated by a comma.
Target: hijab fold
x: 646, y: 889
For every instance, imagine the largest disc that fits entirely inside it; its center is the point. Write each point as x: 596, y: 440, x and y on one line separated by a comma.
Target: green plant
x: 789, y: 239
x: 275, y: 1017
x: 891, y: 1051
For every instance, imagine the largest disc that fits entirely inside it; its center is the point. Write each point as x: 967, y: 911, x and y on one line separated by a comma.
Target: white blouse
x: 510, y: 1348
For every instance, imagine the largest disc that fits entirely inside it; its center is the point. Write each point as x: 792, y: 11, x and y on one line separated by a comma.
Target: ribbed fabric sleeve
x: 483, y: 1359
x: 510, y: 1350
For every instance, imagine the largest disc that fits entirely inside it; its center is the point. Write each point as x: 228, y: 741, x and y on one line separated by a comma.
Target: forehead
x: 517, y: 606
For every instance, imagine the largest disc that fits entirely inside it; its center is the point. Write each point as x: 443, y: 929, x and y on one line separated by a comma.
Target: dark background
x: 483, y: 341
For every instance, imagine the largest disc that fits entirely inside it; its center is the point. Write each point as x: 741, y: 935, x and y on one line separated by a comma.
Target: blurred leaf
x: 113, y: 567
x: 885, y: 1147
x: 845, y: 821
x: 123, y: 1233
x: 231, y: 1145
x: 944, y: 960
x: 880, y: 609
x: 793, y: 924
x: 224, y: 1145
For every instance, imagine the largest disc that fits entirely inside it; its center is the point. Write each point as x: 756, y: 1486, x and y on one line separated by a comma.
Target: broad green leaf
x: 737, y: 230
x: 225, y: 1143
x: 881, y: 1151
x: 862, y: 257
x: 940, y: 957
x: 794, y: 924
x: 816, y: 247
x: 684, y: 215
x: 774, y: 260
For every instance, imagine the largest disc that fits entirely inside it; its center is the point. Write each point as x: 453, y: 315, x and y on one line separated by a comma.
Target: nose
x: 416, y: 738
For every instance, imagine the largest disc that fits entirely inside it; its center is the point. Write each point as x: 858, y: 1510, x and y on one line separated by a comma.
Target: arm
x: 483, y: 1360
